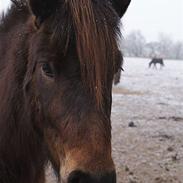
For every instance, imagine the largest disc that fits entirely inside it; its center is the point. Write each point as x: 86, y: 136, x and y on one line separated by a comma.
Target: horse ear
x: 42, y: 9
x: 120, y: 6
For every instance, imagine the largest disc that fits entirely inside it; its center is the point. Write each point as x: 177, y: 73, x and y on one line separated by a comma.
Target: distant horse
x: 156, y: 61
x: 57, y: 63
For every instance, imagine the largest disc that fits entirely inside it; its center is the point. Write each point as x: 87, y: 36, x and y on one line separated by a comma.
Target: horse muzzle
x: 81, y: 177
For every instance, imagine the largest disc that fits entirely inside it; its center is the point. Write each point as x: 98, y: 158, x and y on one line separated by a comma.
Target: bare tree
x: 152, y: 49
x: 165, y: 47
x: 178, y: 50
x: 135, y: 43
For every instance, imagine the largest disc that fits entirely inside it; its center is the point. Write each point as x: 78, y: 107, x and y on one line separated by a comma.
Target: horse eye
x: 47, y: 69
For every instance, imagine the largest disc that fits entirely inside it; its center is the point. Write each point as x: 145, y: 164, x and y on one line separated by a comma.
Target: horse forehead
x: 63, y: 20
x: 62, y: 33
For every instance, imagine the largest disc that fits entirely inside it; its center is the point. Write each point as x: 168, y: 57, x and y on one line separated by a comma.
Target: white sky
x: 155, y: 16
x: 4, y: 4
x: 151, y: 17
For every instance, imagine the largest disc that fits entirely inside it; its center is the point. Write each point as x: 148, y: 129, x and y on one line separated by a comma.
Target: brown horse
x: 57, y: 62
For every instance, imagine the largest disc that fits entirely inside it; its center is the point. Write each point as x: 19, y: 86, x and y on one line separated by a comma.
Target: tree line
x: 135, y: 45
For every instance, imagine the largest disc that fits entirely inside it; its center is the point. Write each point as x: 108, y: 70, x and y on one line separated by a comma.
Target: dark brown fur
x: 64, y: 119
x: 156, y: 61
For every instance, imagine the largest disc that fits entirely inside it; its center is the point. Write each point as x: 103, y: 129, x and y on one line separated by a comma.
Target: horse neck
x: 22, y: 155
x: 14, y: 18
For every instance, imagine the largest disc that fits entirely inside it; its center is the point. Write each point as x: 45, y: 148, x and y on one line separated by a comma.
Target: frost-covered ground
x: 151, y: 152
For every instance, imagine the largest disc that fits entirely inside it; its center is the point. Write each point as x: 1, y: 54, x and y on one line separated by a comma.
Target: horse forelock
x: 95, y: 27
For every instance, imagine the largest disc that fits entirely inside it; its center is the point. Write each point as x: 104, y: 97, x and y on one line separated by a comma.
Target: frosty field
x: 151, y: 152
x: 152, y: 100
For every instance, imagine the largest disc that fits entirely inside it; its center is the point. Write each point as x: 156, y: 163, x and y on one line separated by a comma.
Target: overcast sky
x: 3, y: 4
x: 155, y: 16
x: 151, y: 17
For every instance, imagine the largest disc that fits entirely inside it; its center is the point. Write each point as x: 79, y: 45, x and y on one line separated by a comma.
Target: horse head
x: 72, y: 58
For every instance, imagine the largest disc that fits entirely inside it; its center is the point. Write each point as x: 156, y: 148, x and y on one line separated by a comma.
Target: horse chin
x: 65, y: 170
x: 64, y: 175
x: 63, y: 179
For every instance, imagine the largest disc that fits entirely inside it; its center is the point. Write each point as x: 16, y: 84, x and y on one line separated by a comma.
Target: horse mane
x: 95, y: 28
x: 17, y: 130
x: 94, y: 37
x: 15, y: 117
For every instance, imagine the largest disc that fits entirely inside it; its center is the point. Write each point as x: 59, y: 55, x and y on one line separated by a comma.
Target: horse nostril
x: 81, y: 177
